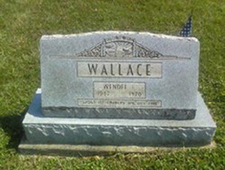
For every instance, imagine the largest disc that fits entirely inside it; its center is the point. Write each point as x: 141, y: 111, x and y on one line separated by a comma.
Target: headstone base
x: 118, y: 132
x: 88, y: 150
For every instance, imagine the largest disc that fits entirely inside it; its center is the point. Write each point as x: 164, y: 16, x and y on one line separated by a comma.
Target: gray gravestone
x: 118, y: 88
x: 119, y: 75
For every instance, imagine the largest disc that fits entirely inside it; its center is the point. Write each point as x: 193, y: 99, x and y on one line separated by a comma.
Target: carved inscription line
x: 164, y: 57
x: 106, y: 103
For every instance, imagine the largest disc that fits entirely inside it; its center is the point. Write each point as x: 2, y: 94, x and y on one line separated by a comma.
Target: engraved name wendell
x: 119, y: 90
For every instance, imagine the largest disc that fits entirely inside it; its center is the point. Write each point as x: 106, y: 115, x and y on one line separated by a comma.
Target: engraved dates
x: 119, y: 90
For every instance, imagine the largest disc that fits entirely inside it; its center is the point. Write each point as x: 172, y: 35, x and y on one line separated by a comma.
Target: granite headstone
x: 119, y: 75
x: 119, y: 89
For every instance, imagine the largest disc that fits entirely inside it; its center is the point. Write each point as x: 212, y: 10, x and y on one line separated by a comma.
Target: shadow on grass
x: 12, y: 125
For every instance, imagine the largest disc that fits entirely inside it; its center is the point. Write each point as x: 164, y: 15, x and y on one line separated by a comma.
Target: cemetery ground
x: 22, y: 23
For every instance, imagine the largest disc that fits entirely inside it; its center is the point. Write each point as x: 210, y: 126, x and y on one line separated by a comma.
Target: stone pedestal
x: 117, y: 132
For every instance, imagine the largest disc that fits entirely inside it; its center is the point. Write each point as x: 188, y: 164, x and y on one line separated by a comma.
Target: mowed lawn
x: 23, y: 22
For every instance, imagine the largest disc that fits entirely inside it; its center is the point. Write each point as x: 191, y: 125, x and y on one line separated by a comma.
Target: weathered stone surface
x: 160, y: 74
x: 43, y: 130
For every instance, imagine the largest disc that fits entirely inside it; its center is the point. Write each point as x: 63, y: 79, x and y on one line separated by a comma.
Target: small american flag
x: 186, y: 31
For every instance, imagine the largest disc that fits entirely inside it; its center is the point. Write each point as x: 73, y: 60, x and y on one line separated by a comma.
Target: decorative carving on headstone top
x: 119, y: 47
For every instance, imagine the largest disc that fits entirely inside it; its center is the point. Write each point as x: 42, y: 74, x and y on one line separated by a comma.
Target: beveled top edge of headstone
x: 56, y: 36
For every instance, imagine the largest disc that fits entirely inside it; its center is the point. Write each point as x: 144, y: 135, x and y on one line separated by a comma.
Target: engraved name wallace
x: 119, y: 69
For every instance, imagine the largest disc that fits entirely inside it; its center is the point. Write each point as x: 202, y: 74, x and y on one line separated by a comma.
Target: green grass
x: 22, y: 22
